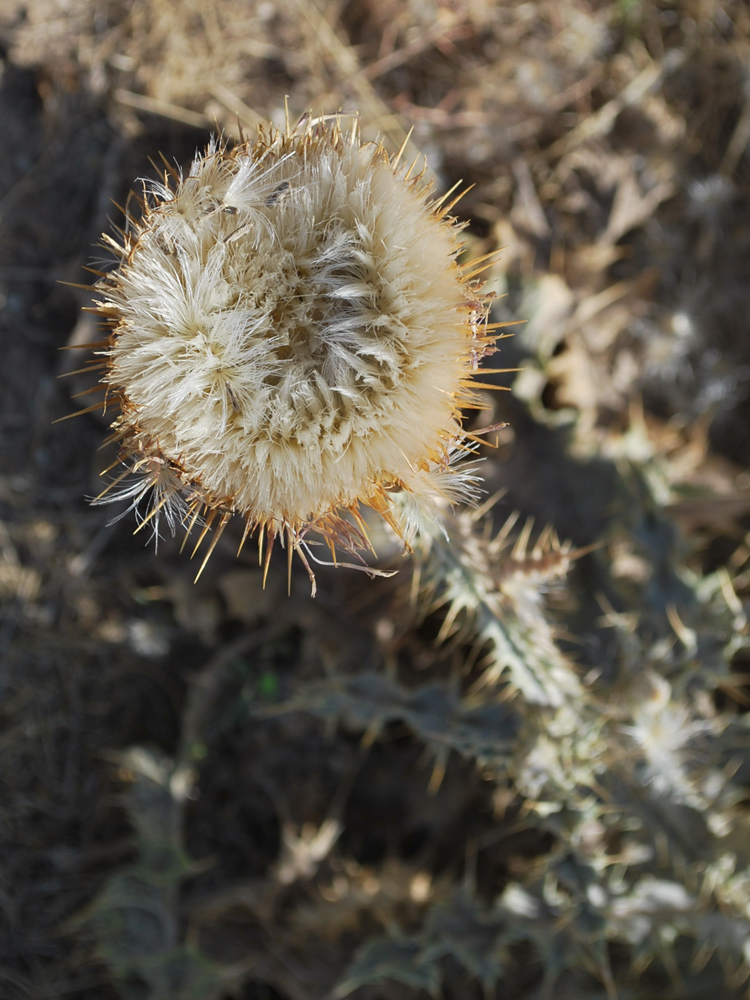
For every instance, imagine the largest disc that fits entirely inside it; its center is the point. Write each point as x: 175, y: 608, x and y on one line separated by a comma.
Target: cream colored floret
x: 291, y: 336
x: 292, y: 332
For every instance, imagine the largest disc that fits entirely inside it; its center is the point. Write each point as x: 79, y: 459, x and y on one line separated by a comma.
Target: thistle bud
x: 290, y: 338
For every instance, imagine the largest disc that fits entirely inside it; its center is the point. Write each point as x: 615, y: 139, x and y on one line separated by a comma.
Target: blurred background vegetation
x: 518, y: 768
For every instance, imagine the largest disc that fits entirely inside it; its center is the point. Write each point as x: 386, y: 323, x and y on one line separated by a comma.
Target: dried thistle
x: 290, y: 338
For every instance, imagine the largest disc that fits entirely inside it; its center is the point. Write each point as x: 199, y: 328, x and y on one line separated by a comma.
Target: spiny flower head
x: 290, y: 337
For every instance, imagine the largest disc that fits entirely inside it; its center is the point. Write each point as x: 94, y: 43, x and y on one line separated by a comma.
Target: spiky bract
x: 291, y: 337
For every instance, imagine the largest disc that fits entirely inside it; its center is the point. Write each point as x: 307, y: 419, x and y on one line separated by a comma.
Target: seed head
x: 290, y: 338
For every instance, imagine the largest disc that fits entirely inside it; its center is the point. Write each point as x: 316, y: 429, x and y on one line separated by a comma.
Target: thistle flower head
x: 290, y: 337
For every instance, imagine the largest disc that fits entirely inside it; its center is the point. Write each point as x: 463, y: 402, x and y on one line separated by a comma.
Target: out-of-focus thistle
x: 291, y: 337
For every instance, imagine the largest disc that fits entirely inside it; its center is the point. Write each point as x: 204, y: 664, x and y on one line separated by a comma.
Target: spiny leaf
x: 481, y: 730
x: 392, y: 957
x: 475, y: 939
x: 134, y: 919
x: 496, y: 595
